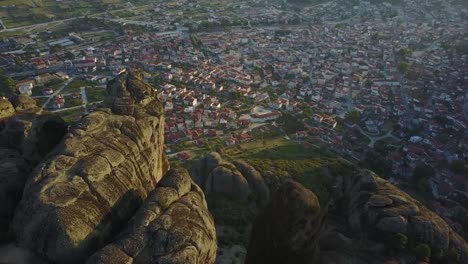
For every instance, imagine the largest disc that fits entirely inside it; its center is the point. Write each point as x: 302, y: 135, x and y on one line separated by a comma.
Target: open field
x: 71, y: 115
x: 28, y: 12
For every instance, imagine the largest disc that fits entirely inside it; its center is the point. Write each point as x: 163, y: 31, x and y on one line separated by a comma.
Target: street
x: 59, y: 90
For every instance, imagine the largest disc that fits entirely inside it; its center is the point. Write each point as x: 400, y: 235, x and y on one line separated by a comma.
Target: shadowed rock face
x: 286, y: 231
x: 364, y: 207
x: 378, y: 207
x: 236, y: 180
x: 97, y: 177
x: 173, y: 226
x: 25, y: 138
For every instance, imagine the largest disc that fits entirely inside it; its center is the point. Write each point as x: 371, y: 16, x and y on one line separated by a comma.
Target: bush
x: 422, y: 252
x: 398, y: 242
x: 229, y: 212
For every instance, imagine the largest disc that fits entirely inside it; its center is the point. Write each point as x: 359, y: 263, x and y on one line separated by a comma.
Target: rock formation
x: 25, y: 137
x: 86, y: 190
x: 287, y: 230
x: 235, y: 179
x: 364, y: 212
x: 173, y: 226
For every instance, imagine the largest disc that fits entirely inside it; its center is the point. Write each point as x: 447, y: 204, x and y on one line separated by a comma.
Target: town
x: 383, y: 86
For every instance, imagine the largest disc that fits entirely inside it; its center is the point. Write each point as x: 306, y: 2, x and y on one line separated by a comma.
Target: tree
x: 353, y: 116
x: 291, y: 123
x: 422, y: 252
x: 56, y: 48
x: 398, y: 242
x: 458, y: 166
x: 369, y: 83
x: 7, y: 85
x: 421, y: 176
x: 403, y: 67
x: 422, y: 172
x: 404, y: 53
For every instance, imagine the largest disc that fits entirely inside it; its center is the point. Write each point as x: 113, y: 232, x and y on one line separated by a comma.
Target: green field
x: 71, y: 115
x: 28, y: 12
x: 95, y: 94
x: 75, y: 86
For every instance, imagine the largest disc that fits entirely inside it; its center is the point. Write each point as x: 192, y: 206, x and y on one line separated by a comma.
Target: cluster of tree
x: 420, y: 178
x: 195, y: 41
x: 376, y: 162
x: 291, y: 123
x: 7, y: 85
x: 353, y: 116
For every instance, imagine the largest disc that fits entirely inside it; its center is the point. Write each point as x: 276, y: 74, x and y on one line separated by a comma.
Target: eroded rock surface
x: 287, y: 230
x: 97, y: 177
x: 25, y: 138
x: 173, y: 226
x: 235, y: 179
x: 376, y: 206
x: 364, y: 213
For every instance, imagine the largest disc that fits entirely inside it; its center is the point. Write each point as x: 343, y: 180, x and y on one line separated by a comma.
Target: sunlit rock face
x: 97, y: 177
x: 357, y: 221
x: 173, y: 226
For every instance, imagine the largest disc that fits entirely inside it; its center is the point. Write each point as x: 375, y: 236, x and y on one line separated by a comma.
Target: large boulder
x: 173, y: 226
x: 227, y: 181
x: 97, y: 177
x: 24, y: 103
x: 255, y: 180
x: 6, y: 109
x: 375, y: 206
x: 235, y: 179
x: 288, y: 228
x: 365, y: 214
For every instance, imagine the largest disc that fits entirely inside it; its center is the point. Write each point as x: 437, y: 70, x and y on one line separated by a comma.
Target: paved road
x: 84, y: 98
x: 374, y: 139
x: 57, y: 92
x: 66, y: 109
x: 3, y: 25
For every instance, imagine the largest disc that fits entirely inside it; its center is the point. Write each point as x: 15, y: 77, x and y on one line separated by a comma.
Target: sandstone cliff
x: 173, y: 226
x: 235, y: 179
x: 82, y: 195
x: 362, y: 219
x: 25, y: 137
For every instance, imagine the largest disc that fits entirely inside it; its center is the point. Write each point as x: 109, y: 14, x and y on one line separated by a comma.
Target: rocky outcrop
x: 24, y: 103
x: 235, y: 179
x: 363, y: 214
x: 287, y: 230
x: 6, y: 109
x: 173, y: 226
x: 13, y: 173
x: 25, y: 138
x: 97, y: 177
x: 377, y: 207
x: 255, y: 180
